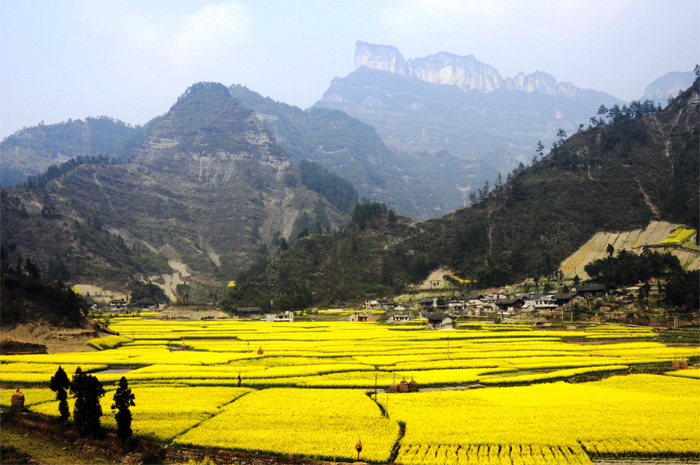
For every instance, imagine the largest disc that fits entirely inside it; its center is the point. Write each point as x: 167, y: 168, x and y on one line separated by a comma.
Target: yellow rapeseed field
x: 306, y: 394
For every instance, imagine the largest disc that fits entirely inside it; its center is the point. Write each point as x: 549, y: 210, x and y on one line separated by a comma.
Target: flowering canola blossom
x: 318, y: 423
x: 619, y: 416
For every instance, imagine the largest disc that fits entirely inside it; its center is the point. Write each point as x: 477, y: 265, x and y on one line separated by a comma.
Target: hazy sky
x: 63, y: 59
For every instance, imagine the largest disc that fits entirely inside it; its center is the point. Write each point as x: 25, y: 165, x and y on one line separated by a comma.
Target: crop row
x: 491, y: 454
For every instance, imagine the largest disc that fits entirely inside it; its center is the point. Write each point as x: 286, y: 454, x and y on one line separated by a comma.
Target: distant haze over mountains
x: 668, y: 85
x: 457, y: 103
x: 465, y: 72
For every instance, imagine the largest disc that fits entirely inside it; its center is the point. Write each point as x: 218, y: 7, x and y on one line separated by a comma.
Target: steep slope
x: 32, y: 150
x: 459, y: 104
x: 612, y: 178
x: 657, y: 236
x: 206, y: 194
x: 419, y: 185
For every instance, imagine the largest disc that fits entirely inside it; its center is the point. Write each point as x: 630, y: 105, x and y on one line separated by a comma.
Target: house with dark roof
x: 591, y: 291
x: 510, y: 305
x: 564, y: 299
x: 440, y: 321
x: 248, y: 312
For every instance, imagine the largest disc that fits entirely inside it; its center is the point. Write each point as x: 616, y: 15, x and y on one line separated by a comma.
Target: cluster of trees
x: 681, y: 289
x: 338, y: 191
x: 627, y: 268
x: 87, y: 411
x: 148, y: 291
x: 366, y: 211
x: 294, y: 296
x: 615, y: 114
x: 40, y: 181
x: 22, y: 287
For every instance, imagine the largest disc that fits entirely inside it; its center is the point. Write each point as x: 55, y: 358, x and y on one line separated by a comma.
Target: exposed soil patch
x: 17, y: 348
x: 41, y: 336
x: 192, y: 313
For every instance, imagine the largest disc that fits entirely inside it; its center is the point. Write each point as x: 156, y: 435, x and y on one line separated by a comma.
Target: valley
x: 314, y: 233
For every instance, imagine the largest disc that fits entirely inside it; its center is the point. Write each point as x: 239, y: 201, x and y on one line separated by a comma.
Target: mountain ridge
x: 468, y: 110
x: 465, y: 72
x: 206, y: 195
x: 418, y: 185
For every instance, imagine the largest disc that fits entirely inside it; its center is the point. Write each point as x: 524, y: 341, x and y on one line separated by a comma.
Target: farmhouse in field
x: 538, y: 302
x: 440, y: 321
x: 358, y: 317
x: 284, y: 317
x: 398, y: 318
x: 248, y: 312
x: 117, y: 303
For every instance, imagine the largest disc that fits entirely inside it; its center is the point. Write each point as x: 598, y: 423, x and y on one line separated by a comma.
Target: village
x: 438, y: 304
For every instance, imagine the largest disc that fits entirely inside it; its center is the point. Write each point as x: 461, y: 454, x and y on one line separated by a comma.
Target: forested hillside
x: 32, y: 150
x: 617, y: 176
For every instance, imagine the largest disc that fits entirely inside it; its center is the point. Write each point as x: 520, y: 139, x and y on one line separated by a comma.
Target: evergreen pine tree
x: 87, y: 411
x: 123, y: 399
x: 59, y: 384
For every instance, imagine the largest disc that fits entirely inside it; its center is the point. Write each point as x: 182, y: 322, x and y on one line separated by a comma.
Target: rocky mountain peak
x: 204, y: 132
x: 380, y: 57
x: 464, y: 72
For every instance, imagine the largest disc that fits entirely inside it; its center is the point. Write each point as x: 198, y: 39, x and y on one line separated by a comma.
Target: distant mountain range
x: 227, y: 179
x: 459, y: 104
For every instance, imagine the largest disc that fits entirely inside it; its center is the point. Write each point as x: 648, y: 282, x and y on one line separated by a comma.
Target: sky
x: 63, y: 59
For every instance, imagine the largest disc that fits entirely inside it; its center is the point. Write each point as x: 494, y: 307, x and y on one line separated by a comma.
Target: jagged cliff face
x: 459, y: 104
x: 464, y: 72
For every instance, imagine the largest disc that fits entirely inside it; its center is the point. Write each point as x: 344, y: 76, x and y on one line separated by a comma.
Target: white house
x: 285, y: 317
x: 540, y: 303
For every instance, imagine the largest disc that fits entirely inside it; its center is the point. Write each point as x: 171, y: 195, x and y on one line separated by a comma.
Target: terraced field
x: 307, y: 389
x: 659, y: 234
